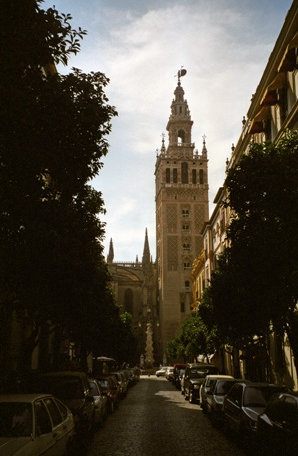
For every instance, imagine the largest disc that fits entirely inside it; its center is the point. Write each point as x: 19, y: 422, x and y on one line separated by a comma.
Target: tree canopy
x: 256, y: 282
x: 53, y: 131
x: 194, y: 340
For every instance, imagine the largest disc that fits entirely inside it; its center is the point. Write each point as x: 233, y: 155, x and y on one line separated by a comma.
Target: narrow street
x: 155, y: 420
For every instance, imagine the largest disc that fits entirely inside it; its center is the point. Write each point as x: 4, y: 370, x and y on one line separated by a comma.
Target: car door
x: 233, y: 406
x: 59, y: 427
x: 43, y: 442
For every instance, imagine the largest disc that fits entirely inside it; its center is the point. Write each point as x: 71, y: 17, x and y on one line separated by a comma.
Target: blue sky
x: 140, y: 46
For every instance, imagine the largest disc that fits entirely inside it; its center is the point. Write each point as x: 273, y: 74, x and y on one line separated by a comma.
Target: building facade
x: 273, y: 110
x: 181, y: 190
x: 134, y: 288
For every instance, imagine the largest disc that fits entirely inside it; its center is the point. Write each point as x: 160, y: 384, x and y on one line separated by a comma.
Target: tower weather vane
x: 180, y: 73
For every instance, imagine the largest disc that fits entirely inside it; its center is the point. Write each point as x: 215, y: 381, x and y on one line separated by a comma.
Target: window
x: 128, y: 301
x: 168, y: 175
x: 184, y: 173
x: 185, y: 212
x: 185, y: 227
x: 201, y: 176
x: 175, y: 176
x: 187, y: 285
x: 182, y: 307
x: 186, y: 265
x: 43, y: 423
x: 181, y: 136
x: 186, y: 246
x: 194, y: 176
x: 62, y: 409
x: 235, y: 394
x: 54, y: 412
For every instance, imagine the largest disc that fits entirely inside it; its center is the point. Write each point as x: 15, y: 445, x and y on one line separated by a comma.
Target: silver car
x: 34, y: 424
x: 100, y: 402
x: 207, y: 385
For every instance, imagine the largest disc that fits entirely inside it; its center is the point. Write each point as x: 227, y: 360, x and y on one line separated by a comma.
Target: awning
x: 270, y: 96
x: 289, y: 59
x: 258, y: 122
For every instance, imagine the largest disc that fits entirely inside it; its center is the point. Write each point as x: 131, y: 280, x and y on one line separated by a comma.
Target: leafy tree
x: 256, y: 283
x: 194, y: 340
x: 127, y: 346
x: 175, y: 350
x: 53, y: 132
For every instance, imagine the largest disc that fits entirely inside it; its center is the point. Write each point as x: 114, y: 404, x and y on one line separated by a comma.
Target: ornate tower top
x: 204, y: 149
x: 180, y: 123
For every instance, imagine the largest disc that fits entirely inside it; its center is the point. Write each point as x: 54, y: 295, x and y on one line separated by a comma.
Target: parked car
x: 100, y: 402
x: 207, y: 385
x: 170, y: 373
x: 110, y: 389
x: 161, y: 372
x: 34, y: 424
x: 177, y: 374
x: 216, y: 395
x: 122, y: 380
x: 194, y: 377
x: 72, y: 388
x: 278, y: 425
x: 182, y: 383
x: 244, y: 402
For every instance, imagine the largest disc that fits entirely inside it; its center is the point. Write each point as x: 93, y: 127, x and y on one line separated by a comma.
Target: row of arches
x: 172, y: 175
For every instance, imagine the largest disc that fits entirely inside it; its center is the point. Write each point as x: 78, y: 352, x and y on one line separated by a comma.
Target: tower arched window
x: 201, y: 176
x: 184, y: 173
x: 181, y: 137
x: 128, y: 301
x: 168, y: 175
x: 175, y: 176
x: 194, y: 176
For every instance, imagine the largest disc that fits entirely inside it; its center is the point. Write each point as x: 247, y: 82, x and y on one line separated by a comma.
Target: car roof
x: 219, y: 377
x: 23, y: 397
x: 65, y: 374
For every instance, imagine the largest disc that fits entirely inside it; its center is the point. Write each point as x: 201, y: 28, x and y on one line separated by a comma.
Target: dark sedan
x: 244, y: 403
x: 194, y: 377
x: 278, y: 425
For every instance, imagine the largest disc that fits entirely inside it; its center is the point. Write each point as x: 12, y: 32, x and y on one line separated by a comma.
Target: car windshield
x: 15, y: 419
x: 254, y: 397
x: 223, y: 387
x: 104, y: 383
x: 201, y: 372
x: 259, y: 396
x: 197, y: 373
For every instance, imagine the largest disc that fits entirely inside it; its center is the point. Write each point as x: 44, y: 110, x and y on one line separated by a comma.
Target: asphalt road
x: 155, y: 420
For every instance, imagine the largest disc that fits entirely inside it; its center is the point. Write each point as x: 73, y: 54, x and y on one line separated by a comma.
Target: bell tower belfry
x: 181, y: 198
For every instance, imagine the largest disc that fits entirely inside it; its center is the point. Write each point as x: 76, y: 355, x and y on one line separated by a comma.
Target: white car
x: 207, y: 386
x: 100, y: 402
x: 161, y: 372
x: 34, y: 425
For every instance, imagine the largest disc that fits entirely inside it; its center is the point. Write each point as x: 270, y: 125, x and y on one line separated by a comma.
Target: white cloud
x: 223, y: 44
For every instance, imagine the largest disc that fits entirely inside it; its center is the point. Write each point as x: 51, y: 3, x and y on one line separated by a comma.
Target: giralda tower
x: 181, y: 198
